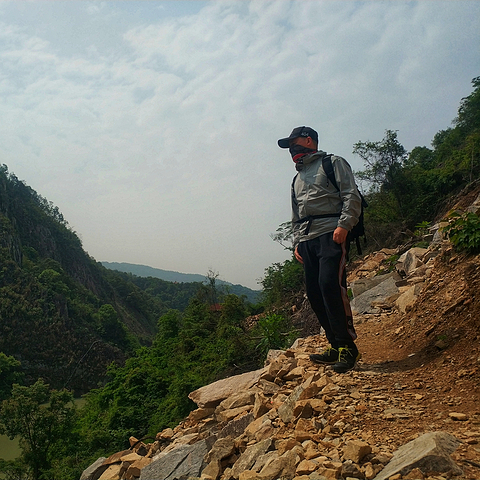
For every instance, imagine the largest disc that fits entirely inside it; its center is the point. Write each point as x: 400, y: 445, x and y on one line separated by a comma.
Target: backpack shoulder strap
x: 328, y: 168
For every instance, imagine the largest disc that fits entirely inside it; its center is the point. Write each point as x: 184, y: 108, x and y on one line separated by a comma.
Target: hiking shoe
x: 347, y: 359
x: 327, y: 357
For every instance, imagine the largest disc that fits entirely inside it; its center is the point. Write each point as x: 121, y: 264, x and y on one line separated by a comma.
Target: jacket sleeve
x: 351, y: 201
x: 295, y: 215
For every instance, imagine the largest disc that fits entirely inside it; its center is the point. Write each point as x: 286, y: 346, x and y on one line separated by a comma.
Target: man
x: 322, y: 216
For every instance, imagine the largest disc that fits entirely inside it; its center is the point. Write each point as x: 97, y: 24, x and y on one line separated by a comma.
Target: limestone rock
x: 355, y: 450
x: 363, y: 303
x: 409, y: 297
x: 236, y: 427
x: 112, y: 472
x: 94, y: 471
x: 200, y: 414
x: 238, y: 399
x: 227, y: 415
x: 134, y: 470
x: 212, y: 471
x: 461, y: 417
x: 185, y: 460
x: 248, y: 457
x: 130, y: 457
x: 211, y: 395
x: 115, y: 458
x: 286, y: 409
x: 362, y: 285
x: 429, y: 452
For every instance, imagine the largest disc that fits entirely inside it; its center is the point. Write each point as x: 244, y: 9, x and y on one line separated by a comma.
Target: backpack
x: 359, y: 229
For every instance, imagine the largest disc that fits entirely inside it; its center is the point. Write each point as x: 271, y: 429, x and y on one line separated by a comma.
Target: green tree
x: 390, y: 188
x: 282, y: 281
x: 383, y: 161
x: 9, y: 374
x: 284, y: 236
x: 43, y: 419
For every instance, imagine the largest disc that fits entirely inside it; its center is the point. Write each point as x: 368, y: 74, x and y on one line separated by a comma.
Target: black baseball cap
x: 298, y: 132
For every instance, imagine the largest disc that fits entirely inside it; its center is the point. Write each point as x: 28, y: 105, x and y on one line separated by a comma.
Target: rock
x: 287, y: 366
x: 237, y: 426
x: 94, y: 471
x: 200, y: 414
x: 223, y: 447
x: 409, y: 297
x: 305, y: 467
x: 166, y: 434
x: 135, y: 469
x: 355, y: 450
x: 331, y: 470
x: 130, y: 457
x: 286, y: 445
x: 211, y: 395
x: 115, y: 458
x: 411, y: 260
x: 185, y: 460
x: 272, y: 369
x: 286, y: 409
x: 461, y: 417
x: 261, y: 406
x: 350, y: 470
x: 415, y: 474
x: 212, y: 471
x: 248, y: 475
x: 385, y: 289
x: 294, y: 373
x: 112, y: 472
x: 273, y: 355
x: 362, y: 285
x: 268, y: 388
x: 237, y: 400
x: 430, y: 452
x: 273, y: 469
x: 227, y: 415
x: 248, y: 457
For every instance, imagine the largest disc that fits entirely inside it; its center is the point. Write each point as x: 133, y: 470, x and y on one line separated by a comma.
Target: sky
x: 153, y: 125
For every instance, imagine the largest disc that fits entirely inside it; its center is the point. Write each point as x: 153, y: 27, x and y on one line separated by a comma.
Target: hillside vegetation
x: 49, y: 286
x: 63, y: 315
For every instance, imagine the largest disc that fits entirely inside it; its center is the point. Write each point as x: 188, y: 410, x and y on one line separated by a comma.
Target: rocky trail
x: 409, y: 410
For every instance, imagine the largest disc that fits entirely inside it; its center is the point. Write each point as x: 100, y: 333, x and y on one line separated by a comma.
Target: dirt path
x: 411, y: 387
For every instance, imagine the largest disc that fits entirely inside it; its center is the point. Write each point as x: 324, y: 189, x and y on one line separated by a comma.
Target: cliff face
x: 63, y: 315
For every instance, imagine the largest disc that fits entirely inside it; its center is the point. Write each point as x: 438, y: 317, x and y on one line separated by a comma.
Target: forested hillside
x: 165, y: 283
x: 409, y: 189
x: 84, y: 316
x: 64, y: 316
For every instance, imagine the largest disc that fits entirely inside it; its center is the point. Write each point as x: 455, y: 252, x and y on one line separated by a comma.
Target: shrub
x: 463, y: 230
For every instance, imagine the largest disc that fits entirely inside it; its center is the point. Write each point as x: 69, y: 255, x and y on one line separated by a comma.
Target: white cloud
x: 155, y: 130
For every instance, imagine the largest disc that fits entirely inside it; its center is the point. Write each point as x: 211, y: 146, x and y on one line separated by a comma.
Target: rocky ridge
x: 410, y: 410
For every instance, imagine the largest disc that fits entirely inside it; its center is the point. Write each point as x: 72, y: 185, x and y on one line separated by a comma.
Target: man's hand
x: 297, y: 255
x: 340, y: 235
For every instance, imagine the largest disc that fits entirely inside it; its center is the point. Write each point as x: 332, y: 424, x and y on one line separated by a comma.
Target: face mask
x: 296, y: 150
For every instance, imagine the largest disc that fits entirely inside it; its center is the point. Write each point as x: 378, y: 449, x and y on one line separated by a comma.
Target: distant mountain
x: 177, y: 277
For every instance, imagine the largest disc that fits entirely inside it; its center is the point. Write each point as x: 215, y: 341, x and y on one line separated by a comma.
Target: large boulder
x: 182, y: 462
x: 379, y: 293
x: 211, y: 395
x: 430, y: 453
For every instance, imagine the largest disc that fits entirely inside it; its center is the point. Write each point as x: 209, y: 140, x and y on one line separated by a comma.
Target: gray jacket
x: 314, y: 194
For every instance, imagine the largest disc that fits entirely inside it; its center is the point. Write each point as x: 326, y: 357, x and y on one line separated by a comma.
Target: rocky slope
x: 410, y: 410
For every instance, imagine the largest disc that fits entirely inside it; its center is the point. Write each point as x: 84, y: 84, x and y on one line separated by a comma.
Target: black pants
x: 326, y: 282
